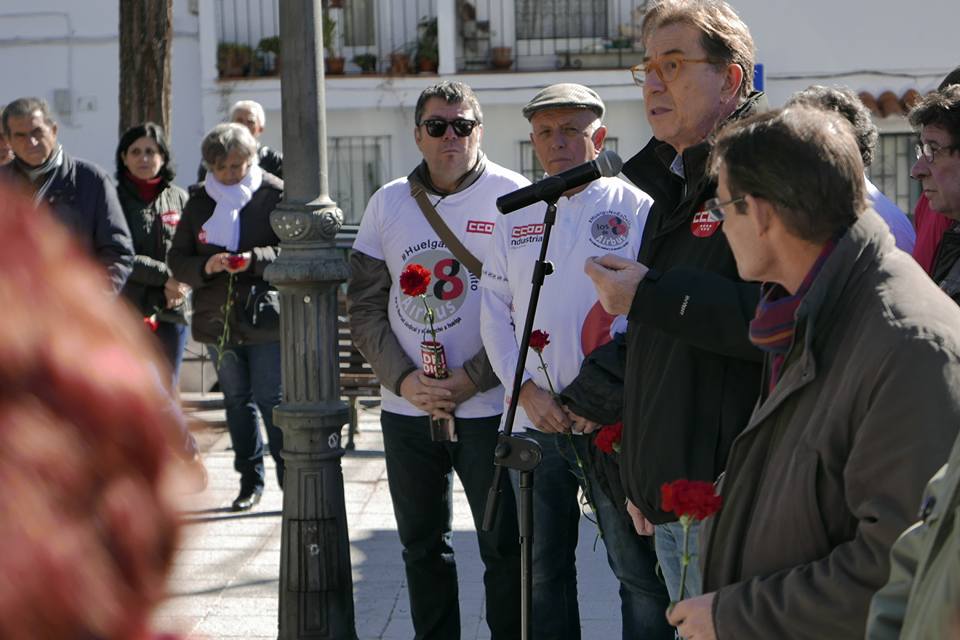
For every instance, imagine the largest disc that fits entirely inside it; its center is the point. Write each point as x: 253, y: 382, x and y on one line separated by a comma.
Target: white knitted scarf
x: 223, y: 227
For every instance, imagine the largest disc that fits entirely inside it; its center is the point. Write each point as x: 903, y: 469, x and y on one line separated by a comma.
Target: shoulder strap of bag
x: 453, y: 243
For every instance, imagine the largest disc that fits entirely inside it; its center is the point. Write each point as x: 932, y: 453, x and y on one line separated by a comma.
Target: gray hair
x: 22, y: 107
x: 723, y: 35
x: 223, y: 139
x: 253, y: 107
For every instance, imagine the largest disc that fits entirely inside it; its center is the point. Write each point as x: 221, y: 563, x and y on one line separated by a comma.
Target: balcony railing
x: 401, y: 37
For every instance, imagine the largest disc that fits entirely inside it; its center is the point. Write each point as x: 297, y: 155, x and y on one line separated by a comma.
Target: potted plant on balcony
x: 332, y: 62
x: 270, y: 47
x: 234, y: 60
x: 366, y: 61
x: 428, y: 56
x: 501, y: 58
x: 400, y: 59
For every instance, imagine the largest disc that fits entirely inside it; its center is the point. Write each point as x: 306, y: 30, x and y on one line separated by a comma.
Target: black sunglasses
x: 436, y: 127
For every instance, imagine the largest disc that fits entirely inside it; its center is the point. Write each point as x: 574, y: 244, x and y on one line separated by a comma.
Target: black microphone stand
x: 520, y: 453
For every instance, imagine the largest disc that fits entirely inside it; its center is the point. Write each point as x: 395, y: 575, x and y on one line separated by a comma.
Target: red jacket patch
x: 703, y: 225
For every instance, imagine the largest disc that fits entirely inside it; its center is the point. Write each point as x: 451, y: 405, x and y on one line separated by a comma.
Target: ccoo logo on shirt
x: 704, y: 225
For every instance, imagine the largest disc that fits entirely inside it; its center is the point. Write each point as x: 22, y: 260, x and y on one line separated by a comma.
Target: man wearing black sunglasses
x: 690, y: 375
x: 460, y: 186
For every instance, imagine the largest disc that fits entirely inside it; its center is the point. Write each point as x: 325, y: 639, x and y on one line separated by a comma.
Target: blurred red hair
x: 86, y: 521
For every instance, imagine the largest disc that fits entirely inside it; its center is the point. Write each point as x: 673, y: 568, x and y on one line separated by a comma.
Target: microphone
x: 607, y: 165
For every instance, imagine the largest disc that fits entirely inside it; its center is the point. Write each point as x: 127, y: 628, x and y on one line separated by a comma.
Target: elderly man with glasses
x: 441, y: 218
x: 690, y: 374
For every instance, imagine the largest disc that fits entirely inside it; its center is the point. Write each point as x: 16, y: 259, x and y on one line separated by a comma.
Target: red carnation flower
x: 236, y: 261
x: 539, y: 340
x: 692, y: 499
x: 608, y: 438
x: 414, y: 280
x: 151, y: 323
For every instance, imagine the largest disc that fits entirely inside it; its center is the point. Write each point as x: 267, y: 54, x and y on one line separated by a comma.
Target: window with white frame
x: 890, y: 171
x: 530, y: 166
x: 357, y: 167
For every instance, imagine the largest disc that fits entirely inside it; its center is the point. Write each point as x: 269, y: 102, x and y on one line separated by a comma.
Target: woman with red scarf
x: 152, y: 205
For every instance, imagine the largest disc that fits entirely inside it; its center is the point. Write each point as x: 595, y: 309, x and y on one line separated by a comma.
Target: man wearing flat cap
x: 604, y: 216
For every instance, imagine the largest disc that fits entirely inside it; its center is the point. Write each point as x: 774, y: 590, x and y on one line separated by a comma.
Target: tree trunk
x: 146, y: 38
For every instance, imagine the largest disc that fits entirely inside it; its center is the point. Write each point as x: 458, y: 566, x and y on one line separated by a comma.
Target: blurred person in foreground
x: 920, y: 599
x: 80, y: 194
x: 846, y: 103
x: 152, y: 205
x: 86, y: 513
x: 221, y: 247
x: 860, y: 398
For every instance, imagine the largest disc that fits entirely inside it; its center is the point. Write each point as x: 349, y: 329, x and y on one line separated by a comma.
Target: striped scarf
x: 773, y: 326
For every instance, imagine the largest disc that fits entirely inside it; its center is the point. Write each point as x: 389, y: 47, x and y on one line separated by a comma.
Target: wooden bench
x: 357, y: 379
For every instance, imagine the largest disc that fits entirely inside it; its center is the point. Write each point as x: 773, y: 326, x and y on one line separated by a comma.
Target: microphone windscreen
x: 609, y: 164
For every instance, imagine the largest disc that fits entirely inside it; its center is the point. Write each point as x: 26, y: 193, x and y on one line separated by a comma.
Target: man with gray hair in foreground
x: 859, y: 344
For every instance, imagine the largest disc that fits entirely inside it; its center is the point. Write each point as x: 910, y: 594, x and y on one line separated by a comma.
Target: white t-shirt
x: 393, y: 229
x: 606, y: 217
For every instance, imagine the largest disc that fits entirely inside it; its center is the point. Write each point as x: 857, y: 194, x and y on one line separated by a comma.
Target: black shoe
x: 248, y: 499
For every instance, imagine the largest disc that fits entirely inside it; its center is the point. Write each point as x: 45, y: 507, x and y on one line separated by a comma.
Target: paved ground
x: 225, y: 582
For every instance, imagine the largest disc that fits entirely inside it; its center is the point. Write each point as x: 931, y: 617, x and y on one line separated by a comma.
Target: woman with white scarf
x: 222, y: 245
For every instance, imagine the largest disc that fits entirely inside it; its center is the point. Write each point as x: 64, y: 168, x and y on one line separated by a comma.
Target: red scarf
x: 773, y: 327
x: 148, y: 190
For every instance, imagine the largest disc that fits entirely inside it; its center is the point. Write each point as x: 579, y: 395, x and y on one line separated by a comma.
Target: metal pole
x: 316, y: 585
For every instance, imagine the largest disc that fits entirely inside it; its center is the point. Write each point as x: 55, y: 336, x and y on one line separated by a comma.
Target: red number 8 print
x: 446, y: 271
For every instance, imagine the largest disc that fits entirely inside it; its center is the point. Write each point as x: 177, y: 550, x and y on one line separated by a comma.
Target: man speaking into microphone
x: 596, y: 215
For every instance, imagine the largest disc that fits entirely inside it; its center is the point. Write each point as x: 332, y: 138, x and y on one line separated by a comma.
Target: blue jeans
x: 419, y: 472
x: 249, y: 376
x: 556, y: 516
x: 173, y: 339
x: 668, y: 539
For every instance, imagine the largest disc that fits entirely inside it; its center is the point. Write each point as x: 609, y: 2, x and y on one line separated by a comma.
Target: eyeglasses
x: 666, y: 67
x: 929, y: 151
x: 436, y: 127
x: 714, y: 207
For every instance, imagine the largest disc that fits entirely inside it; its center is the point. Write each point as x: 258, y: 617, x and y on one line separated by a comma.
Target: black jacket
x: 270, y: 161
x: 151, y: 225
x: 690, y: 374
x: 189, y: 254
x: 84, y: 199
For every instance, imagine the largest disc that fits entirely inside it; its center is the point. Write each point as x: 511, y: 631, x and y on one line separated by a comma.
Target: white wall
x: 903, y: 44
x: 50, y: 45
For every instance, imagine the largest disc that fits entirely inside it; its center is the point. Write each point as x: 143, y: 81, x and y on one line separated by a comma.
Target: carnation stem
x: 429, y: 313
x: 576, y: 454
x: 226, y: 308
x: 685, y: 558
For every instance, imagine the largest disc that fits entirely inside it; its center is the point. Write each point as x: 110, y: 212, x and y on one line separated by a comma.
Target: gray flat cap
x: 565, y: 95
